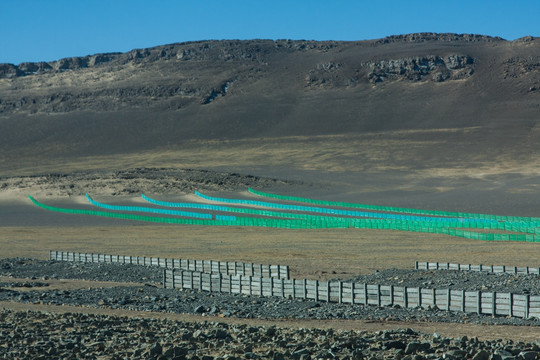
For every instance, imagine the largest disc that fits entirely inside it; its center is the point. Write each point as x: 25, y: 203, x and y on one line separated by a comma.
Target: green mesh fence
x: 306, y: 221
x: 148, y: 209
x: 534, y: 220
x: 365, y: 222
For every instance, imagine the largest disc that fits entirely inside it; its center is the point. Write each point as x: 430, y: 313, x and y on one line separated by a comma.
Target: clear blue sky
x: 44, y: 30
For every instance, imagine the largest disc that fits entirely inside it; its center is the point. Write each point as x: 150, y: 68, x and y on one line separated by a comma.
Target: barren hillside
x: 413, y: 114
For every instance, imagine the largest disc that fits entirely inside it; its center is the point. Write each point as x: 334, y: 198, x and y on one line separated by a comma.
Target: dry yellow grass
x: 317, y: 254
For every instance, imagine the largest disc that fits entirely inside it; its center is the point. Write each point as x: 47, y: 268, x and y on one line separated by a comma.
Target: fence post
x: 340, y: 292
x: 419, y: 297
x: 391, y: 295
x: 191, y: 280
x: 448, y: 299
x: 463, y: 300
x: 352, y: 292
x: 165, y: 278
x: 479, y: 304
x: 365, y: 294
x: 316, y: 290
x: 511, y: 304
x: 200, y: 281
x: 378, y: 295
x: 305, y: 288
x: 494, y: 303
x: 230, y: 284
x: 328, y: 291
x: 405, y: 297
x: 527, y: 304
x: 416, y: 265
x: 282, y: 288
x: 181, y: 279
x: 172, y: 272
x: 219, y: 281
x: 210, y: 285
x: 294, y: 288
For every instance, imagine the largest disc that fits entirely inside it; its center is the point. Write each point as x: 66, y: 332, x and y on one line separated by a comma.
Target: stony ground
x: 134, y: 181
x: 45, y: 336
x: 39, y: 335
x: 146, y: 294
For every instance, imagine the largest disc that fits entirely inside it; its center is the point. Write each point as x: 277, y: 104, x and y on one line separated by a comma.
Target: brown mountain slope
x: 426, y: 112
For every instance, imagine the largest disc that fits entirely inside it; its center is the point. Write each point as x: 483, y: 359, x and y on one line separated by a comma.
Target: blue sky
x: 39, y: 30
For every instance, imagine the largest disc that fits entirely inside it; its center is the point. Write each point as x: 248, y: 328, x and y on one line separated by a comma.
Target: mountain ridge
x: 27, y: 68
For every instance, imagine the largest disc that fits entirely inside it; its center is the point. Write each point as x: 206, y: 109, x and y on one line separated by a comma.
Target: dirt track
x: 482, y: 332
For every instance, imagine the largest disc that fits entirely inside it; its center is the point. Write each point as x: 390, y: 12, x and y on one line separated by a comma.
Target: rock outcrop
x: 422, y: 68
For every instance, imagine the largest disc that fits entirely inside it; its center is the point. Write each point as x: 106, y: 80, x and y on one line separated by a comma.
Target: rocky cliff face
x: 434, y: 68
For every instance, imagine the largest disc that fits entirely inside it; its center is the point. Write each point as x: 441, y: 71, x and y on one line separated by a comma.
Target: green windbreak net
x: 398, y: 209
x: 149, y: 209
x: 403, y: 220
x: 467, y: 228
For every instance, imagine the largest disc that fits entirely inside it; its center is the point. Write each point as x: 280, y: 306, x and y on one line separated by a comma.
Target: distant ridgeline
x: 303, y: 213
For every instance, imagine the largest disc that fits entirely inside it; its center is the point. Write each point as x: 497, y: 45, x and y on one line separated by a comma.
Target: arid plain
x: 430, y: 121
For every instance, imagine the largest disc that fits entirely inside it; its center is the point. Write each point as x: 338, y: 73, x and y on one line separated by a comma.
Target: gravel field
x: 44, y: 335
x: 147, y: 295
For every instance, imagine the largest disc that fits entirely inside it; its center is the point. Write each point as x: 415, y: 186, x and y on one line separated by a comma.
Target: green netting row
x: 184, y: 205
x: 326, y: 210
x: 454, y: 223
x: 297, y: 224
x: 149, y: 210
x: 534, y: 220
x: 243, y: 221
x: 446, y: 222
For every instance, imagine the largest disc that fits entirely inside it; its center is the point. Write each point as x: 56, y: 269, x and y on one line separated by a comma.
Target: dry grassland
x: 315, y: 254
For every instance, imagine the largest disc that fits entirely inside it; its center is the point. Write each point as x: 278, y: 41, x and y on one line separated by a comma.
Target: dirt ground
x: 482, y: 332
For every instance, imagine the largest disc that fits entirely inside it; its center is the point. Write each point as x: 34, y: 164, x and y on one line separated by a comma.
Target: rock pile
x: 40, y: 335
